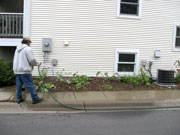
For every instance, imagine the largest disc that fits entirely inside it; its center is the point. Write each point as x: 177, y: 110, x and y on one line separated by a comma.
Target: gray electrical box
x: 54, y: 62
x: 46, y: 44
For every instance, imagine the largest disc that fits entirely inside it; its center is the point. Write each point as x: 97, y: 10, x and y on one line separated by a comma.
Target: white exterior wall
x: 94, y: 32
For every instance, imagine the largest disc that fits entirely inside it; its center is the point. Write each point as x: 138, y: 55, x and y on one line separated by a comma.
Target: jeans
x: 27, y: 80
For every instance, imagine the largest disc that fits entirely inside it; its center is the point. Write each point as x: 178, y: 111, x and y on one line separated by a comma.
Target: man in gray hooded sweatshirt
x: 23, y: 65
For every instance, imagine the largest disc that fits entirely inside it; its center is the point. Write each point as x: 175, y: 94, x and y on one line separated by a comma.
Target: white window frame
x: 127, y: 51
x: 174, y: 40
x: 26, y: 28
x: 129, y: 16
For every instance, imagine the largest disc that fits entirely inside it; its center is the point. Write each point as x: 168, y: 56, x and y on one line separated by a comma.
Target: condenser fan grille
x: 165, y: 77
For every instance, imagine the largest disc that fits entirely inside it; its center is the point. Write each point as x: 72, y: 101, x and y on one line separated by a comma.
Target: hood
x: 21, y: 47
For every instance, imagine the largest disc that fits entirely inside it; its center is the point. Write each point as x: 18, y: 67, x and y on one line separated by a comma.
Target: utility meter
x: 46, y: 44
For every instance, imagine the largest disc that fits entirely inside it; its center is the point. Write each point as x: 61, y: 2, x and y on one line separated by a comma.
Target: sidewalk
x: 105, y: 99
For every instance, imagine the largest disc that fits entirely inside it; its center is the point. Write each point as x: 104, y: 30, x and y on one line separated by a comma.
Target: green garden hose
x: 100, y: 109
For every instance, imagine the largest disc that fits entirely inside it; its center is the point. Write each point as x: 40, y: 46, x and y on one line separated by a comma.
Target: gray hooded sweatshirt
x: 24, y: 60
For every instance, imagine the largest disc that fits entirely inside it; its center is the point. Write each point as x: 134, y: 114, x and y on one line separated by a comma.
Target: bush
x: 7, y: 76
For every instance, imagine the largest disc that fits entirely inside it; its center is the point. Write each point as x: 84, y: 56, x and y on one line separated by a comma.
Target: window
x: 129, y: 8
x: 14, y: 21
x: 176, y: 38
x: 11, y: 6
x: 126, y: 62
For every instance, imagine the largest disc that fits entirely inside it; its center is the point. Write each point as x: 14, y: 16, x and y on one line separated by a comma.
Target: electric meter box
x: 46, y: 44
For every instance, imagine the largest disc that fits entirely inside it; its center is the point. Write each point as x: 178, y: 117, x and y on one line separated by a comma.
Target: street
x: 158, y: 122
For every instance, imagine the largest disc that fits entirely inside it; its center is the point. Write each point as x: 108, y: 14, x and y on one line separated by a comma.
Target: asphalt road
x: 116, y: 123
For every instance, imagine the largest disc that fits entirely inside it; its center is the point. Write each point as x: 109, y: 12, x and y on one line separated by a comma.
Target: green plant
x: 7, y: 76
x: 114, y: 77
x: 108, y: 86
x: 98, y: 73
x: 130, y: 80
x: 177, y: 77
x: 177, y: 66
x: 106, y: 75
x: 136, y: 80
x: 45, y: 86
x: 60, y: 77
x: 41, y: 84
x: 145, y: 79
x: 80, y: 80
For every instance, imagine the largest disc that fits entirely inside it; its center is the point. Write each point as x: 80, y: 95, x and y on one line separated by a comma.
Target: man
x: 23, y: 65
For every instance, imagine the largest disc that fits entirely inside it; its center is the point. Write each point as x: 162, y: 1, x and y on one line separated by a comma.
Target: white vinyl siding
x: 94, y: 31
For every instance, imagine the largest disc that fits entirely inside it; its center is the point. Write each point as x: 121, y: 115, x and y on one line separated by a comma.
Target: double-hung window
x: 127, y: 62
x: 129, y: 8
x: 176, y: 38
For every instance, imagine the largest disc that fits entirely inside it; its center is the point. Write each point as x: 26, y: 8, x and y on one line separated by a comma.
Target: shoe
x: 38, y: 100
x: 20, y: 101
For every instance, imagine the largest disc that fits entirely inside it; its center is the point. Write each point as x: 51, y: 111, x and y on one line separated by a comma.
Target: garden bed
x: 97, y: 84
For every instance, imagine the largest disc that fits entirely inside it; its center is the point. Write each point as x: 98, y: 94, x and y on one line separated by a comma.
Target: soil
x: 99, y: 84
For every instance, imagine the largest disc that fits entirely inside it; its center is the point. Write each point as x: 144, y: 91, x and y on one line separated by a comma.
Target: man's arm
x: 31, y: 58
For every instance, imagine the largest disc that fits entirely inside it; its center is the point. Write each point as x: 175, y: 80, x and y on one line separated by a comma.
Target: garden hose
x: 100, y: 109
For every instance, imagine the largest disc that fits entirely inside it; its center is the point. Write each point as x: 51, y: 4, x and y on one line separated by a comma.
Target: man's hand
x: 39, y: 64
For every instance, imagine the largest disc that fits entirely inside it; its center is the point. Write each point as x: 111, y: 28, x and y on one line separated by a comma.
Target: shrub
x: 7, y: 76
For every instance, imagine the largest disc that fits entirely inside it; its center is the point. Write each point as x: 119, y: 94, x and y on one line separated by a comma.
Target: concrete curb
x: 79, y: 100
x: 53, y: 106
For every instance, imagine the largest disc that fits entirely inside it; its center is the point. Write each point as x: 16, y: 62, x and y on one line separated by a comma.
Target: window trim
x: 129, y: 16
x: 127, y: 51
x: 26, y: 28
x: 174, y: 38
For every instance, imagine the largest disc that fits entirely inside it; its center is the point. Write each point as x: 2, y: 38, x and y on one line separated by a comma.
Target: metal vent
x: 165, y: 77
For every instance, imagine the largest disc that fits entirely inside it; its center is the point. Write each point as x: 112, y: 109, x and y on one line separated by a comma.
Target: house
x: 94, y: 35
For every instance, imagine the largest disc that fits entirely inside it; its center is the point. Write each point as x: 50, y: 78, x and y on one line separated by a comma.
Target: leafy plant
x: 114, y: 77
x: 177, y: 78
x: 7, y: 76
x: 108, y: 86
x: 136, y: 80
x: 98, y: 73
x: 80, y: 80
x: 130, y: 80
x: 106, y: 74
x: 60, y: 77
x: 145, y: 79
x: 41, y: 84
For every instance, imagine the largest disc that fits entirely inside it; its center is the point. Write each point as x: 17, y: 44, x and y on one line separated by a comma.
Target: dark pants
x: 27, y: 80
